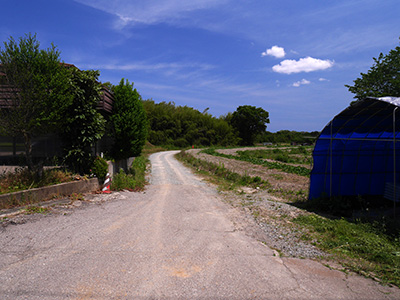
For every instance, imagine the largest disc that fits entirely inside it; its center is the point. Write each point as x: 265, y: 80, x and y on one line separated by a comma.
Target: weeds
x: 36, y: 210
x: 221, y: 172
x: 362, y: 247
x: 302, y: 171
x: 23, y: 179
x: 76, y: 197
x: 134, y: 179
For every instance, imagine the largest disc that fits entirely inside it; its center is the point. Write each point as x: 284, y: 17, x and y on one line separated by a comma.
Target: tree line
x: 183, y: 126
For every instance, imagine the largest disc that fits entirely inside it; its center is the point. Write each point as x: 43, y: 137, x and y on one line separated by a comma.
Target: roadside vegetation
x: 252, y: 157
x: 134, y: 179
x: 295, y: 155
x: 224, y: 177
x: 23, y: 179
x: 368, y: 246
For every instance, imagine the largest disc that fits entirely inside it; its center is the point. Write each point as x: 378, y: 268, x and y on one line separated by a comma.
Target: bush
x: 134, y: 180
x: 123, y: 181
x: 100, y: 168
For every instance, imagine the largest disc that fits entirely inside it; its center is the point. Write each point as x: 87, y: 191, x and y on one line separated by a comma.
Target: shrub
x: 123, y: 181
x: 100, y: 168
x: 133, y: 180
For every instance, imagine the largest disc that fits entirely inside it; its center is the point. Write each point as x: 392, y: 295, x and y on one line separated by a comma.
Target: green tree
x: 82, y: 124
x: 38, y: 86
x: 249, y: 121
x: 183, y: 126
x: 129, y: 121
x: 382, y: 79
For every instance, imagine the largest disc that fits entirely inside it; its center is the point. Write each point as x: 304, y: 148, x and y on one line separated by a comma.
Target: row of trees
x: 183, y: 126
x: 47, y: 96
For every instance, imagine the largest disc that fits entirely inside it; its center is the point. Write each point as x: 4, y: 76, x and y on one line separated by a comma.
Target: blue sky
x: 292, y: 58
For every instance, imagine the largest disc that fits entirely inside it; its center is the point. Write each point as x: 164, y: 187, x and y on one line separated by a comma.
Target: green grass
x: 367, y: 248
x: 36, y: 210
x: 298, y: 170
x: 134, y: 180
x: 231, y: 179
x: 299, y: 155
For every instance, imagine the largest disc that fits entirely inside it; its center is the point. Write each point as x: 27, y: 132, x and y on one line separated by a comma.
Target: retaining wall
x: 48, y: 192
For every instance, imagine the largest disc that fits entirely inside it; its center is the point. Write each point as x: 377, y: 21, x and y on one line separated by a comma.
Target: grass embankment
x: 290, y: 154
x: 368, y: 247
x: 23, y: 179
x: 249, y: 157
x: 222, y: 176
x: 134, y: 179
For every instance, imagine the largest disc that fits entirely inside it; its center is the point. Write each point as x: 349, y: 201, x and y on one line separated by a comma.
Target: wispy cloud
x: 150, y: 11
x: 307, y: 64
x: 301, y: 82
x: 140, y: 66
x: 275, y: 51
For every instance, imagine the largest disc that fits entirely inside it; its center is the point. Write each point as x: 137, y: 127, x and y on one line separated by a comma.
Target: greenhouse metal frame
x: 356, y: 153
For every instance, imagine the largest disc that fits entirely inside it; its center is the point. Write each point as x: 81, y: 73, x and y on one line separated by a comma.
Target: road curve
x: 175, y: 241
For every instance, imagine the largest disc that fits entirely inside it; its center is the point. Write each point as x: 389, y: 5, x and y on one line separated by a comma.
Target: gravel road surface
x: 177, y: 240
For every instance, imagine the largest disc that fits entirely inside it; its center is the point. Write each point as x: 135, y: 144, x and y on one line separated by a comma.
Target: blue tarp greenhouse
x: 356, y: 152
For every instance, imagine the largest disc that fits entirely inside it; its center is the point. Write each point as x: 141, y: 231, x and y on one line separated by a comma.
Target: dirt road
x: 175, y: 241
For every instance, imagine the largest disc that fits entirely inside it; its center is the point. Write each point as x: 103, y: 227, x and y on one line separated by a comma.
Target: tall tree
x: 382, y: 79
x: 38, y: 87
x: 129, y: 121
x: 249, y: 121
x: 82, y: 124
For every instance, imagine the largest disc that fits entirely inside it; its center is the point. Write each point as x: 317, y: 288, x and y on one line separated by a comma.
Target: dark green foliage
x: 297, y: 155
x: 287, y: 136
x: 40, y: 86
x: 82, y: 124
x: 129, y: 121
x: 382, y: 79
x: 249, y: 121
x: 183, y: 126
x: 100, y: 168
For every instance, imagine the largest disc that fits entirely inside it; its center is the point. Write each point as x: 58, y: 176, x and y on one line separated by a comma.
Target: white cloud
x: 301, y: 82
x: 323, y: 79
x: 275, y: 51
x: 307, y: 64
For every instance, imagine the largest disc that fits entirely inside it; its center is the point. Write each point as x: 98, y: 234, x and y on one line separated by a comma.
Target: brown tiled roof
x: 105, y: 104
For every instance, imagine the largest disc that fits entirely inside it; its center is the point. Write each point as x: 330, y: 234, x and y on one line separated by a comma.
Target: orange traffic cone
x: 107, y: 184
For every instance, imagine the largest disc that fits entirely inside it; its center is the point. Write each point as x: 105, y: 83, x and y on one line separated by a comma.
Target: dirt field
x: 285, y: 187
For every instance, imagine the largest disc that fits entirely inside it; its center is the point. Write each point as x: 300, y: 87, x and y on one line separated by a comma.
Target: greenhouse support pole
x: 394, y: 162
x: 330, y: 163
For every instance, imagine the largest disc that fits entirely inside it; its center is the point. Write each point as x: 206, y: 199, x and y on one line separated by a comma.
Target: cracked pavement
x: 177, y: 240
